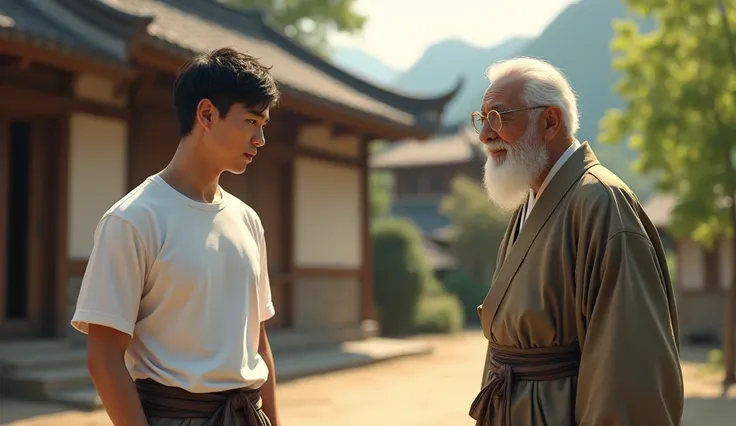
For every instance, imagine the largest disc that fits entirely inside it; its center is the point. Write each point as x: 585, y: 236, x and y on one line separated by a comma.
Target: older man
x: 580, y: 318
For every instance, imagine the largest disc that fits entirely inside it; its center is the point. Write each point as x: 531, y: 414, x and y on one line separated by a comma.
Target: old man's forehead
x: 501, y: 92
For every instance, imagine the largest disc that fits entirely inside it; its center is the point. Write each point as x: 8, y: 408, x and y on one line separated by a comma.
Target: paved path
x: 431, y: 390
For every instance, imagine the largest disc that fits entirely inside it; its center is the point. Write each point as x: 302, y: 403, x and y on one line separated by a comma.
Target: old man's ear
x: 552, y: 120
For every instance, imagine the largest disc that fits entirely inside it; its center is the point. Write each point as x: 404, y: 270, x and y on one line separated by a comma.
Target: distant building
x: 422, y: 173
x: 703, y: 275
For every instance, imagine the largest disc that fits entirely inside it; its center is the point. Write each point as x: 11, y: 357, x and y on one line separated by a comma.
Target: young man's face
x: 233, y: 141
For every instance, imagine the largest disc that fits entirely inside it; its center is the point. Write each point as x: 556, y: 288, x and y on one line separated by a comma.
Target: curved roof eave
x: 387, y: 94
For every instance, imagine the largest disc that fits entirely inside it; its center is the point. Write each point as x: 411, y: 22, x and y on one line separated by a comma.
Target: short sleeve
x: 113, y: 282
x: 265, y: 301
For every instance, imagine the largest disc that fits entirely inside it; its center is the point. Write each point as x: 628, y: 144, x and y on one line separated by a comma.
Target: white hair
x: 544, y: 84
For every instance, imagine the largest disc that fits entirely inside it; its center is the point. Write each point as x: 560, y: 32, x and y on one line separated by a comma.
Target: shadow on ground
x: 12, y: 410
x: 704, y: 411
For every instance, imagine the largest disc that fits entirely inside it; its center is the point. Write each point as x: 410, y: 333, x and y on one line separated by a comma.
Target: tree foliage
x: 477, y: 226
x: 381, y: 185
x: 679, y: 91
x: 400, y: 274
x: 309, y: 21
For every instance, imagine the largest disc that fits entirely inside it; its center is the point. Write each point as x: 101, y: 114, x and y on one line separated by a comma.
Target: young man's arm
x: 266, y: 311
x: 105, y: 360
x: 268, y: 390
x: 107, y: 310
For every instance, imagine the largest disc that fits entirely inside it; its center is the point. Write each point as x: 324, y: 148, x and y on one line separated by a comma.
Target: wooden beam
x: 150, y: 57
x: 53, y: 57
x: 37, y: 102
x: 321, y: 272
x: 326, y: 156
x: 375, y: 127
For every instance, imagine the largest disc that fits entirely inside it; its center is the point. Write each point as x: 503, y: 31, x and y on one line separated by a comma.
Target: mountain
x: 444, y: 63
x: 363, y: 65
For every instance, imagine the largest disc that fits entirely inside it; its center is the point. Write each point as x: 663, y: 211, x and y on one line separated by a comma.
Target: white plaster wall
x: 725, y: 250
x: 692, y: 268
x: 327, y: 219
x: 320, y: 138
x: 97, y: 175
x: 98, y: 89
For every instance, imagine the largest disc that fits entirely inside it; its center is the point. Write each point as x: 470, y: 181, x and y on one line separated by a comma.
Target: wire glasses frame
x: 495, y: 122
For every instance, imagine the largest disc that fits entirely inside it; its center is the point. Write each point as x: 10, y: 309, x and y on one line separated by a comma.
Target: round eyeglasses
x: 494, y: 118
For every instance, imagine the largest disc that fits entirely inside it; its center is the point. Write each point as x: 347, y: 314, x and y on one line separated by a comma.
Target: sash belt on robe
x: 510, y: 364
x: 227, y: 408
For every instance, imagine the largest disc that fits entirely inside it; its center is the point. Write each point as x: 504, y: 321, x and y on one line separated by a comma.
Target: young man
x: 176, y: 290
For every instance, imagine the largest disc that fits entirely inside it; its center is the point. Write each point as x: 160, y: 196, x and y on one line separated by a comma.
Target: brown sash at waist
x: 510, y: 364
x: 226, y: 408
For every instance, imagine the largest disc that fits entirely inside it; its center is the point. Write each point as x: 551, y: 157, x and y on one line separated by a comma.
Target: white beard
x: 507, y: 182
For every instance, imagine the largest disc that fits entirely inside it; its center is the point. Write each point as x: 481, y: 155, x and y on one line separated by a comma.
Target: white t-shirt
x: 188, y: 281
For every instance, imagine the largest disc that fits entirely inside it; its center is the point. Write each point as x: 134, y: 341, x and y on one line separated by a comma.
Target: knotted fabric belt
x: 509, y: 364
x: 227, y: 408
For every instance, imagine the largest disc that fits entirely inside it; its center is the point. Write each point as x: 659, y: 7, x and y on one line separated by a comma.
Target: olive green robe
x: 588, y: 268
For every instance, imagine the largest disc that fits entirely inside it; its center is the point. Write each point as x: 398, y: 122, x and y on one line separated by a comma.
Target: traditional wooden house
x: 702, y: 275
x: 86, y: 114
x: 423, y: 171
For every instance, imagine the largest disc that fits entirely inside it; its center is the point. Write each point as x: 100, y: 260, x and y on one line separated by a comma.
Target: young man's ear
x: 206, y: 113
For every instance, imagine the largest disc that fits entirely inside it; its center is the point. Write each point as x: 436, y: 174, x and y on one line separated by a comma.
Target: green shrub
x: 401, y: 274
x: 469, y: 292
x: 439, y: 314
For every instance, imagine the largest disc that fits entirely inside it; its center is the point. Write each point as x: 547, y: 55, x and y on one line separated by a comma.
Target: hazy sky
x: 389, y: 36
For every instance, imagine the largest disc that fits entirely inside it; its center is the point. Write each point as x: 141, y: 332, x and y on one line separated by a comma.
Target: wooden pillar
x: 61, y: 264
x: 367, y: 308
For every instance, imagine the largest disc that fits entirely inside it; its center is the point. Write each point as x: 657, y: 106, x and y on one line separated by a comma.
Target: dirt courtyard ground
x: 431, y: 390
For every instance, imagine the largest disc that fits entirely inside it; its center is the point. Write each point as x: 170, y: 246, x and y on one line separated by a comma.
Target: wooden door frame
x: 46, y: 292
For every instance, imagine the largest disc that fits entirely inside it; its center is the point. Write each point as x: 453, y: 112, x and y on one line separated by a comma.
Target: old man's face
x: 516, y: 153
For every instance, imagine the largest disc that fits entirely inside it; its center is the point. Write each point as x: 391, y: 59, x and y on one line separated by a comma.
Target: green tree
x: 477, y: 227
x: 309, y: 21
x: 679, y: 88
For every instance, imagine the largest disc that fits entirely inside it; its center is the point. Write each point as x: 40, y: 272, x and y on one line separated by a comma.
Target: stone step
x: 42, y: 383
x: 17, y: 364
x: 25, y: 347
x: 86, y: 398
x: 65, y: 378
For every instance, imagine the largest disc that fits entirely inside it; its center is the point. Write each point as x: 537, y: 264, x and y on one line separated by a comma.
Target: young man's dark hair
x: 225, y: 77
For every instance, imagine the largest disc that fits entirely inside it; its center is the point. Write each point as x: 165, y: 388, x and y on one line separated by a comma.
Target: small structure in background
x: 86, y: 114
x: 422, y: 172
x: 703, y: 276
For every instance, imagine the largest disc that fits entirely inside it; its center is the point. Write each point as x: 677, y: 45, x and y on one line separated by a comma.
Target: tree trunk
x: 730, y: 317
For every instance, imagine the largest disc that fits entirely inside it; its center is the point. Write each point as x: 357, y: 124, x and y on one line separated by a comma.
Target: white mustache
x: 495, y: 146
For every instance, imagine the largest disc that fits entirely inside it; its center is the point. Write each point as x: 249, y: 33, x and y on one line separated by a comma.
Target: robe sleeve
x: 630, y: 372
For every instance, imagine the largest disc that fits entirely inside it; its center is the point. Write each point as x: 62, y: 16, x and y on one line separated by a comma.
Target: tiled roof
x: 452, y: 148
x: 21, y: 20
x: 183, y: 27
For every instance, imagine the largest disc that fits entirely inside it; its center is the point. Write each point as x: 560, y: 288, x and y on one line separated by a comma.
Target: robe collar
x: 516, y: 249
